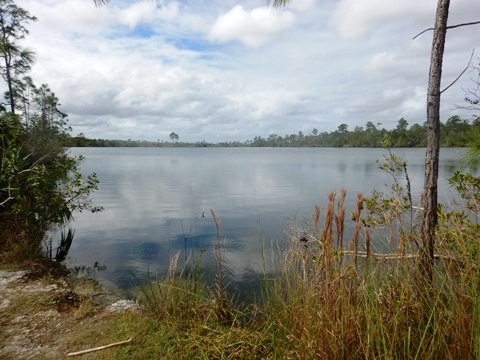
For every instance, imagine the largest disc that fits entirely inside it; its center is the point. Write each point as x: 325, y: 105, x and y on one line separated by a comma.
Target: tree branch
x: 448, y: 27
x: 459, y: 76
x: 6, y: 200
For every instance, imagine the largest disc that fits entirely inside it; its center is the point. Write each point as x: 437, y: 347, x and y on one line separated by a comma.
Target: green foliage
x: 455, y: 132
x: 468, y: 186
x: 393, y: 210
x: 472, y: 157
x: 369, y: 136
x: 40, y: 183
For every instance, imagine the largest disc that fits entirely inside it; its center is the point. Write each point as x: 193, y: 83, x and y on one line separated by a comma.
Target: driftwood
x: 100, y: 348
x: 396, y: 256
x: 392, y: 256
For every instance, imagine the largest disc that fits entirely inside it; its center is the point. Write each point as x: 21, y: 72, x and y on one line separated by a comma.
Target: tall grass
x: 378, y: 308
x: 327, y: 301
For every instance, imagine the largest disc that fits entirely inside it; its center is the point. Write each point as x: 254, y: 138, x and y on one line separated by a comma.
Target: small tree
x: 17, y: 61
x: 174, y: 137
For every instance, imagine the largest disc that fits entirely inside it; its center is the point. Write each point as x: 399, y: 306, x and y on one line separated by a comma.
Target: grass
x: 380, y: 316
x: 325, y: 302
x: 154, y: 339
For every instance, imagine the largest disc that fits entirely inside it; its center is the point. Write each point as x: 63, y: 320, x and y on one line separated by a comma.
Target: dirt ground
x: 44, y: 316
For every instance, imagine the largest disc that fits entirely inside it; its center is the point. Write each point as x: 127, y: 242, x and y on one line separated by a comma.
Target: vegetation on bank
x: 455, y: 132
x: 332, y: 296
x: 40, y: 184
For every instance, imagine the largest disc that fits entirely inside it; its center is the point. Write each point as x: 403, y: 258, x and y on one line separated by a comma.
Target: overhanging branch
x: 448, y: 27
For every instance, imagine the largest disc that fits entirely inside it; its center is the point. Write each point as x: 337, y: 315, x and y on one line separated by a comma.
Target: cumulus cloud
x: 189, y: 76
x: 82, y: 17
x: 73, y: 16
x: 252, y: 28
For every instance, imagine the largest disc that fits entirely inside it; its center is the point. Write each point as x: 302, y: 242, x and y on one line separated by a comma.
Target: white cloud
x: 253, y: 28
x: 83, y: 17
x: 398, y: 66
x: 146, y: 12
x: 415, y: 102
x: 188, y: 76
x: 353, y: 18
x: 136, y: 13
x: 302, y: 5
x: 73, y: 16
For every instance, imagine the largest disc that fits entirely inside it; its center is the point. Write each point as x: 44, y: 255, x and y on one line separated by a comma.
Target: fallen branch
x: 392, y: 256
x: 100, y: 348
x: 395, y: 256
x: 6, y: 200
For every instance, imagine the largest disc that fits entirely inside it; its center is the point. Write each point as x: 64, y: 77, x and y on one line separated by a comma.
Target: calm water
x: 157, y: 201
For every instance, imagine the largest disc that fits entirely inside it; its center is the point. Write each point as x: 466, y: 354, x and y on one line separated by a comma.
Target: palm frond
x: 277, y: 3
x: 99, y: 3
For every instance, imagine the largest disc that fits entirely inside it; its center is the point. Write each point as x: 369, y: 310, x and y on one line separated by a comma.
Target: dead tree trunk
x: 429, y: 196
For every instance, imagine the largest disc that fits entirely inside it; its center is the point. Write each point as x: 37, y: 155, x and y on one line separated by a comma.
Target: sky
x: 225, y: 70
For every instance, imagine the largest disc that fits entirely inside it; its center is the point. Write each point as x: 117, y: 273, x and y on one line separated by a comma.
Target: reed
x: 221, y: 298
x: 381, y: 310
x: 322, y: 303
x: 315, y: 219
x: 326, y: 238
x: 340, y: 218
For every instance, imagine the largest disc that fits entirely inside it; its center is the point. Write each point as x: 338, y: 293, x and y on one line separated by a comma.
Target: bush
x: 40, y: 185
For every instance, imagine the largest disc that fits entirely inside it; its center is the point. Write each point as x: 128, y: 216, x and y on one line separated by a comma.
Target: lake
x: 157, y: 202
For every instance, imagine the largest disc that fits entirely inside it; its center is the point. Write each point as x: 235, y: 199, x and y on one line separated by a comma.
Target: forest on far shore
x: 455, y: 132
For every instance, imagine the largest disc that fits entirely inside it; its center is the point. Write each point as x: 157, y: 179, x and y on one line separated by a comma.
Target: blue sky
x: 232, y: 70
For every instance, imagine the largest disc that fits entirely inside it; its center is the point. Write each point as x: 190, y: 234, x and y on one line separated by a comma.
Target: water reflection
x: 157, y: 201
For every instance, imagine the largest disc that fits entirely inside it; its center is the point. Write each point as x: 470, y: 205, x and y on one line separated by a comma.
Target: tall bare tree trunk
x: 429, y: 198
x: 8, y: 63
x: 8, y: 68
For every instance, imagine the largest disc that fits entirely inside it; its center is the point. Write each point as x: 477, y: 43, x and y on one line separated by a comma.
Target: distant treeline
x: 82, y: 141
x: 455, y: 132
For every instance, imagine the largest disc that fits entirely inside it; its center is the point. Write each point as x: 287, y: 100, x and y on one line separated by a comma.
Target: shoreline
x: 45, y: 313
